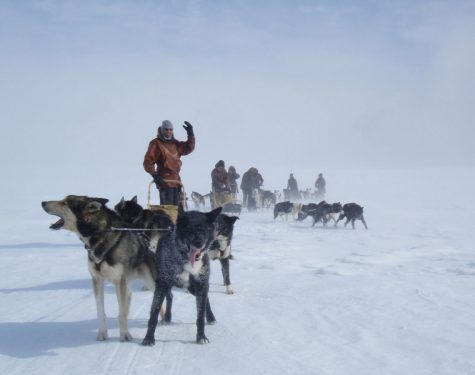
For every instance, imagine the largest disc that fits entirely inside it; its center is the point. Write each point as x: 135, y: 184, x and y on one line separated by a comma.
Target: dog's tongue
x: 193, y: 254
x: 57, y: 225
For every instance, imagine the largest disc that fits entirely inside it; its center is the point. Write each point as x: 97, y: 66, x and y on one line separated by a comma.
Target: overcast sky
x: 273, y: 84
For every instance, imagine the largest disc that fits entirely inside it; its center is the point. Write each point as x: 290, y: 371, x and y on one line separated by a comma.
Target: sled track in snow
x: 65, y: 309
x: 132, y: 357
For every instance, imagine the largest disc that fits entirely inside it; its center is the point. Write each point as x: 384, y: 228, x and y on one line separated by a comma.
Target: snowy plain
x: 395, y: 299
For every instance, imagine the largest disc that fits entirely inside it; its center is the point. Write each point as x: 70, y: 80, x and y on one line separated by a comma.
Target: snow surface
x: 395, y: 299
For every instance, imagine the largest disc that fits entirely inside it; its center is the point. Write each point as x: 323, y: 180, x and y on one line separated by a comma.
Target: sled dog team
x: 130, y: 242
x: 117, y: 251
x: 322, y: 211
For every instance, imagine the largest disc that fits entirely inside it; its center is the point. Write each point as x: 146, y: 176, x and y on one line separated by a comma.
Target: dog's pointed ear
x: 233, y: 219
x: 230, y: 219
x: 102, y: 201
x: 214, y: 214
x: 121, y: 203
x: 134, y: 199
x: 94, y: 205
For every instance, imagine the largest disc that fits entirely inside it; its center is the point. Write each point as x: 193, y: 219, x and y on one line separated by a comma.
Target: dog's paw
x: 229, y: 289
x: 102, y: 336
x: 202, y: 340
x: 125, y: 336
x: 148, y: 341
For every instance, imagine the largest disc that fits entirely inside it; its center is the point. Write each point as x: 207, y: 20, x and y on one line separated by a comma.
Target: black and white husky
x: 182, y: 260
x: 285, y: 209
x: 221, y: 247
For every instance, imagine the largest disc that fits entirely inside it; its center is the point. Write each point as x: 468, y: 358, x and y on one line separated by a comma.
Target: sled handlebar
x: 183, y: 194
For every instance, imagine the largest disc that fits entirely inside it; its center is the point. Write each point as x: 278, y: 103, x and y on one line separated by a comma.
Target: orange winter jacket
x: 163, y: 157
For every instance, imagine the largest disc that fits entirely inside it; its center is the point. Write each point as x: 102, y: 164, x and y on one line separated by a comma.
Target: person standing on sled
x: 219, y: 185
x: 292, y: 188
x: 232, y: 181
x: 320, y: 184
x: 162, y: 161
x: 251, y: 179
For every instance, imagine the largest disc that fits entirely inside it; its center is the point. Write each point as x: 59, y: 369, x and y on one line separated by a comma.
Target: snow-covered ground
x: 395, y: 299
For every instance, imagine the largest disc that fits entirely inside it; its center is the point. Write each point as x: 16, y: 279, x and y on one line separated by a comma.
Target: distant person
x: 251, y: 180
x: 219, y: 185
x: 232, y: 181
x: 292, y: 187
x: 320, y: 185
x: 162, y: 161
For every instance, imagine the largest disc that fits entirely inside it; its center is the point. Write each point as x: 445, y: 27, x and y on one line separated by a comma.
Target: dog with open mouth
x: 118, y: 256
x: 182, y: 260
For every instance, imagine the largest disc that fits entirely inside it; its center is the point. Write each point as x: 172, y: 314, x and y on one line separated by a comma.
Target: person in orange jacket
x: 162, y: 161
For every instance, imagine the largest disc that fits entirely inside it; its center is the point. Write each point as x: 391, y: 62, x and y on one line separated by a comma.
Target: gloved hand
x: 157, y: 178
x: 189, y: 129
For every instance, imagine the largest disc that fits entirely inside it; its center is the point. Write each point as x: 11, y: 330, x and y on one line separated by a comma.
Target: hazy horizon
x: 309, y: 85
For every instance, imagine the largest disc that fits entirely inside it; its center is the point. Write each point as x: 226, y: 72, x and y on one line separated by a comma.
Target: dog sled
x: 170, y: 209
x: 230, y: 204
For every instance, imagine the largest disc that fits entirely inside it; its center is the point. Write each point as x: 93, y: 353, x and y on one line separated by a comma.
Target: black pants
x: 170, y: 196
x: 246, y: 194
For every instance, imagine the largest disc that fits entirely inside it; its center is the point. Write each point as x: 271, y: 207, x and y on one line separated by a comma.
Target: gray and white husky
x: 118, y: 256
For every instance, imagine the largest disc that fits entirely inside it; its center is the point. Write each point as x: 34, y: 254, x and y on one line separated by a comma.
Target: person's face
x: 167, y: 133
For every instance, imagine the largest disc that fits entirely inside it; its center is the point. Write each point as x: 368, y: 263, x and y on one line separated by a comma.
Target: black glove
x: 157, y: 178
x: 189, y: 129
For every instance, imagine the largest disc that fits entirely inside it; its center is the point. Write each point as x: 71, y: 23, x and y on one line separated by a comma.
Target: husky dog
x: 232, y: 208
x: 352, y: 212
x: 182, y: 260
x: 198, y: 200
x: 334, y: 211
x: 114, y: 255
x: 307, y: 209
x: 135, y: 216
x: 221, y: 247
x: 325, y: 212
x: 268, y: 199
x: 284, y: 209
